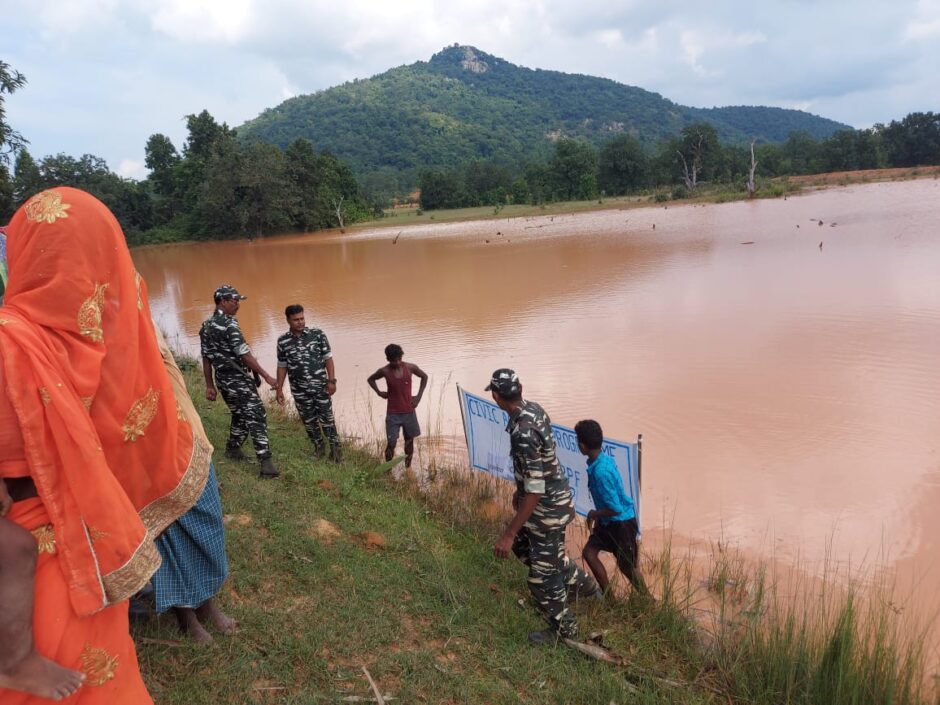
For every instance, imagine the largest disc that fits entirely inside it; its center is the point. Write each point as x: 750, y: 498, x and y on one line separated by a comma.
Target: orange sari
x: 112, y: 460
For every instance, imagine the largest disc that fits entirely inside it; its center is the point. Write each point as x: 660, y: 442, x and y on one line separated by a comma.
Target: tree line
x: 216, y: 187
x: 577, y: 171
x: 220, y: 186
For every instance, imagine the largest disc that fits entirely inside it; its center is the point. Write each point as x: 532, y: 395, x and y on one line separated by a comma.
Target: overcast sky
x: 103, y: 75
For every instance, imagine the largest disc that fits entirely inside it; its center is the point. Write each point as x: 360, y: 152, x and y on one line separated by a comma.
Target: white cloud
x: 926, y: 23
x: 105, y: 74
x: 132, y: 169
x: 610, y: 37
x: 202, y: 20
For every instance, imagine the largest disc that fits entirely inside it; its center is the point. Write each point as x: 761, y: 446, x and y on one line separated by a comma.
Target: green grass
x: 435, y: 618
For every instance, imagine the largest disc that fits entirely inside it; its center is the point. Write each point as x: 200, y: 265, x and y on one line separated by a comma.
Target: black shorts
x: 619, y: 538
x: 408, y: 423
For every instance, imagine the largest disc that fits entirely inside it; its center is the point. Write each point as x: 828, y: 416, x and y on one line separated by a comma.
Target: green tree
x: 27, y: 178
x: 622, y: 165
x: 264, y: 190
x: 11, y: 141
x: 440, y: 188
x: 538, y: 181
x: 338, y: 197
x: 162, y: 159
x: 520, y: 191
x: 914, y: 141
x: 127, y: 199
x: 205, y: 134
x: 573, y: 169
x: 486, y: 183
x: 303, y: 177
x: 801, y: 154
x: 7, y: 203
x: 219, y: 211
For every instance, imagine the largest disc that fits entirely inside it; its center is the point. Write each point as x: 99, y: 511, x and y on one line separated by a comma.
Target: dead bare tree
x: 690, y: 175
x: 338, y: 206
x: 751, y: 188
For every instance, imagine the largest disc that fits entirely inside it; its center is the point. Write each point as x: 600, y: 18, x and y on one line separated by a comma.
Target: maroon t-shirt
x: 399, y: 390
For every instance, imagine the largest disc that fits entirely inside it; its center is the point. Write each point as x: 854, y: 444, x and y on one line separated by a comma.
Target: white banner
x: 484, y: 424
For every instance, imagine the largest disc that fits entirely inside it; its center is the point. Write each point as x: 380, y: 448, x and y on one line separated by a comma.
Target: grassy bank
x: 339, y: 567
x: 706, y: 193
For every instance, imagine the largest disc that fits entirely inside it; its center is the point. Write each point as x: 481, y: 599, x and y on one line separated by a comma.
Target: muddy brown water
x: 787, y: 390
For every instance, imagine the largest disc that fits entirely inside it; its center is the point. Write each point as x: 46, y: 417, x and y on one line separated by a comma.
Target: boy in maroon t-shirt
x: 400, y: 413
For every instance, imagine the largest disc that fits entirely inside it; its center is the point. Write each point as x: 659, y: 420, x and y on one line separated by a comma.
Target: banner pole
x: 639, y: 460
x: 639, y: 475
x: 463, y: 420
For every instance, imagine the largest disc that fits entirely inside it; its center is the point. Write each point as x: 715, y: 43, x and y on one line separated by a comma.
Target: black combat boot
x: 268, y: 471
x: 235, y: 453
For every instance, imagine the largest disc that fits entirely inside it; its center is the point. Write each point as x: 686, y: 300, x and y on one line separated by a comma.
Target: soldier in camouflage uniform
x: 226, y: 353
x: 304, y: 357
x: 544, y: 506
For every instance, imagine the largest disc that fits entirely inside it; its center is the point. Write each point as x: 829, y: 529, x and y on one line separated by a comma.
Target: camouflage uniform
x: 223, y: 345
x: 540, y: 544
x: 304, y: 356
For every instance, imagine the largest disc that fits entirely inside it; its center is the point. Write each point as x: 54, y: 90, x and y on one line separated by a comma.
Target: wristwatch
x: 331, y: 381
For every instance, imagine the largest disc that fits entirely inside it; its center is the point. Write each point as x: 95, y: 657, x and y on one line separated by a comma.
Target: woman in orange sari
x: 93, y: 432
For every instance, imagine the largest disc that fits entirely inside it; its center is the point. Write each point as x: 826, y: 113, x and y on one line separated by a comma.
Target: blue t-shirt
x: 607, y: 490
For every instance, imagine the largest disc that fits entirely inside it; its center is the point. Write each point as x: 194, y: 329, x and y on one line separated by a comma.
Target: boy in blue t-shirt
x: 612, y: 522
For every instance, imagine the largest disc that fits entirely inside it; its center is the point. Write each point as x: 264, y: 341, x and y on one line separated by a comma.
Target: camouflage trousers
x: 552, y: 576
x: 248, y: 415
x: 315, y: 408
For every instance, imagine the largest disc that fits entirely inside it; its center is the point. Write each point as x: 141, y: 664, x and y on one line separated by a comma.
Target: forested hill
x: 464, y: 105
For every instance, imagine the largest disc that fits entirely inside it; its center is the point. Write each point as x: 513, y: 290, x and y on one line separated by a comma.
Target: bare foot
x: 41, y: 677
x: 209, y: 611
x: 190, y: 624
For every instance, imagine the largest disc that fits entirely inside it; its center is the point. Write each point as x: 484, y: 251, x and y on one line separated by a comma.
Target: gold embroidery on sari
x: 98, y: 665
x: 87, y: 402
x: 3, y: 321
x: 140, y: 415
x: 156, y: 516
x: 46, y: 207
x: 45, y: 538
x: 179, y: 412
x: 96, y: 534
x: 45, y: 396
x: 89, y: 315
x: 137, y: 280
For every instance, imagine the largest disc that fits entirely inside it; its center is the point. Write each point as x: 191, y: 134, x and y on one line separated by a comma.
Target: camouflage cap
x: 505, y: 382
x: 227, y: 291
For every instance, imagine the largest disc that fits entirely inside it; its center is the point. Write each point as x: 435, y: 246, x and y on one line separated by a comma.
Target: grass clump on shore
x: 336, y: 568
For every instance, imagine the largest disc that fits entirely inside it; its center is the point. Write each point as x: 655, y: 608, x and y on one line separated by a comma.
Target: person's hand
x: 211, y: 393
x: 415, y: 401
x: 591, y: 518
x: 269, y: 379
x: 383, y: 395
x: 331, y: 388
x: 279, y: 395
x: 503, y: 547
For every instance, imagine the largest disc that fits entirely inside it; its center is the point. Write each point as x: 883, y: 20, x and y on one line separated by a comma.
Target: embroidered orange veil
x: 111, y: 457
